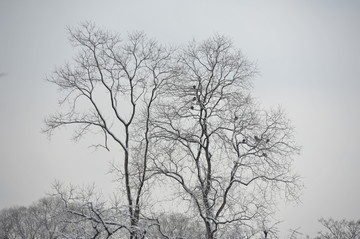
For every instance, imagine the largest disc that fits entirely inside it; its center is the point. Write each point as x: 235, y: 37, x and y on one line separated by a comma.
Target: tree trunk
x: 209, y: 231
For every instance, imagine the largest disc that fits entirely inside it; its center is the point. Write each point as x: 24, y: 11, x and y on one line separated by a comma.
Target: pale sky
x: 308, y: 53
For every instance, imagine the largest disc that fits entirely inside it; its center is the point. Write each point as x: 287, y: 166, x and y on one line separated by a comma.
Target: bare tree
x: 21, y: 222
x: 109, y: 88
x: 24, y: 226
x: 295, y: 234
x: 178, y: 226
x: 6, y: 224
x: 48, y: 218
x: 50, y: 215
x: 339, y: 229
x: 229, y: 157
x: 87, y: 215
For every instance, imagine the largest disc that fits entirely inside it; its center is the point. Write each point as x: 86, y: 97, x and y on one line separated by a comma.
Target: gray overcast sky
x: 308, y: 52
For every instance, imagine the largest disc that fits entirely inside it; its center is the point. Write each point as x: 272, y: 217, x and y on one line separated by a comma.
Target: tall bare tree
x: 188, y: 116
x: 229, y: 157
x: 109, y: 87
